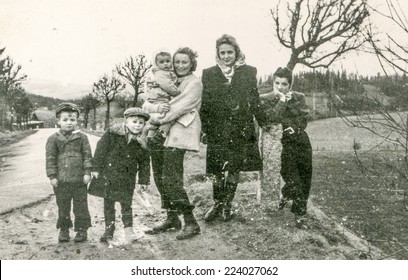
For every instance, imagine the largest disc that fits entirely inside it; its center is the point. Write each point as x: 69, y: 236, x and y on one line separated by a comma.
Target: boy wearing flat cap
x: 120, y: 154
x: 68, y: 166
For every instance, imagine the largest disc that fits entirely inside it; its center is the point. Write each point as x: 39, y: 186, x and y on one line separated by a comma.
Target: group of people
x: 181, y: 111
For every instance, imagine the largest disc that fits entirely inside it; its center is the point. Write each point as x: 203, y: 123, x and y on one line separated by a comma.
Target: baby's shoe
x: 81, y: 236
x: 63, y: 235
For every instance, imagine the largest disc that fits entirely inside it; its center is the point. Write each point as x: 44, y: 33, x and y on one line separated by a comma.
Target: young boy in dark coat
x: 68, y: 164
x: 120, y: 154
x: 289, y: 108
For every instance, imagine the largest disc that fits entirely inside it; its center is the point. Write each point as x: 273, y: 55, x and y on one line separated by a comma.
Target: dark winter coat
x: 227, y: 115
x: 68, y: 159
x: 293, y: 113
x: 118, y: 162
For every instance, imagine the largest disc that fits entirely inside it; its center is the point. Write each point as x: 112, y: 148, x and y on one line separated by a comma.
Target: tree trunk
x: 94, y: 119
x: 107, y: 115
x: 136, y: 88
x: 271, y: 149
x: 292, y: 61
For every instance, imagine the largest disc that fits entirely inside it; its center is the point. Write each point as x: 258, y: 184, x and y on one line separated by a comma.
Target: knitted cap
x: 136, y: 112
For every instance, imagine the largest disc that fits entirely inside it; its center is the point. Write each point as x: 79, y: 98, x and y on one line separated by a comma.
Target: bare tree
x: 133, y: 71
x: 319, y: 31
x: 388, y: 123
x: 9, y: 78
x: 106, y: 89
x: 89, y: 102
x: 390, y: 50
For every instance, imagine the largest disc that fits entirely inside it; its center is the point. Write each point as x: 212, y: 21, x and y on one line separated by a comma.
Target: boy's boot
x: 218, y: 193
x: 226, y: 213
x: 108, y: 234
x: 131, y: 236
x: 63, y: 235
x: 172, y: 221
x: 191, y: 226
x: 81, y: 236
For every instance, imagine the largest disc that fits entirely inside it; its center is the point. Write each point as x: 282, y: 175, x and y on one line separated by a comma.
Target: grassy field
x: 370, y: 204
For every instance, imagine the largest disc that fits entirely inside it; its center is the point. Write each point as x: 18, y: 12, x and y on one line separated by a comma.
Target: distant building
x: 43, y: 119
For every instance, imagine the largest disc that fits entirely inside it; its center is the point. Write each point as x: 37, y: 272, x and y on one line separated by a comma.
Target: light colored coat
x: 184, y: 112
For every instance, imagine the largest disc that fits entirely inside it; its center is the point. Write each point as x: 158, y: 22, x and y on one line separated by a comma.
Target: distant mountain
x: 57, y: 89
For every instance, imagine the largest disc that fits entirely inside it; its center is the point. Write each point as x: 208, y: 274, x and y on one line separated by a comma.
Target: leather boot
x: 172, y: 221
x: 191, y: 226
x: 63, y: 235
x: 226, y: 211
x: 214, y: 211
x: 108, y: 234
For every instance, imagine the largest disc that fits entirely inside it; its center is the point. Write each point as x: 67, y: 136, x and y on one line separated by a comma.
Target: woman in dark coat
x: 230, y: 103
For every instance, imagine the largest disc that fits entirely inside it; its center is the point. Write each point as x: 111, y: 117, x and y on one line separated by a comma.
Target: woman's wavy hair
x: 284, y: 72
x: 229, y: 40
x: 191, y: 54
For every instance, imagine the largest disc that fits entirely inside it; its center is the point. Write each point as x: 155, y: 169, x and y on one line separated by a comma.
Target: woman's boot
x: 172, y: 221
x: 214, y: 212
x: 218, y: 194
x: 227, y: 205
x: 191, y: 226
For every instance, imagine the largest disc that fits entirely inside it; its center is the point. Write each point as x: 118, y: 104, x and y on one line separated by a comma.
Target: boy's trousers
x: 296, y: 170
x: 126, y: 211
x: 77, y: 193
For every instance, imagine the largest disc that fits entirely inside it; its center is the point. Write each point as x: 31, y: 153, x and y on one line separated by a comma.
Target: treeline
x: 15, y: 106
x: 353, y: 92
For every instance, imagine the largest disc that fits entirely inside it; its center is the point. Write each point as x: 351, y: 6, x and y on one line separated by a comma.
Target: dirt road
x: 27, y: 226
x: 27, y: 222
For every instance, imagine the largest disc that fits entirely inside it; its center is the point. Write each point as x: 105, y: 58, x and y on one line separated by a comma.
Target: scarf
x: 228, y: 71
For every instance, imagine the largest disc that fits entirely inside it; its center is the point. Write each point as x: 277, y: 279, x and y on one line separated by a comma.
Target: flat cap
x: 136, y: 112
x: 67, y: 107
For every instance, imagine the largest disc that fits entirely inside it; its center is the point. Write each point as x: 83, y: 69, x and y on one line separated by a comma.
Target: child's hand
x: 87, y: 179
x: 282, y: 97
x: 54, y: 182
x: 95, y: 175
x: 164, y: 108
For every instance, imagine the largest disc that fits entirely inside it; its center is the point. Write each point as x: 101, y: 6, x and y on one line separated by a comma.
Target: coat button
x: 110, y: 164
x: 66, y: 165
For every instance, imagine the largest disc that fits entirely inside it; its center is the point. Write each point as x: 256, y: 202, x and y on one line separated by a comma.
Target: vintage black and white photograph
x: 204, y: 130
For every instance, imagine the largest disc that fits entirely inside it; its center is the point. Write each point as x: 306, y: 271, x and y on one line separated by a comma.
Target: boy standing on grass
x: 120, y: 154
x: 289, y: 108
x: 68, y: 166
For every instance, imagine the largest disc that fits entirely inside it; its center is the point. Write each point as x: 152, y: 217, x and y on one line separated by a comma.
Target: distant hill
x: 39, y: 101
x: 57, y: 89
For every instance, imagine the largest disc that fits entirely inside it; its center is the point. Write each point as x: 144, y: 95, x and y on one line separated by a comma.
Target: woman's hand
x: 87, y: 179
x: 164, y: 108
x: 54, y: 182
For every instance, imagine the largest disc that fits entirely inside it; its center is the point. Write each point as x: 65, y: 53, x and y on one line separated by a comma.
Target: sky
x: 75, y: 42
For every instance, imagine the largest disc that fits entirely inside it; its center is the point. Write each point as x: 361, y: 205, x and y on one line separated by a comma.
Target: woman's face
x: 182, y: 64
x: 227, y: 54
x: 281, y: 85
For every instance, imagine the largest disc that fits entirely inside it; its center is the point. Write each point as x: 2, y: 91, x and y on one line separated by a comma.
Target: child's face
x: 281, y: 85
x: 135, y: 124
x: 163, y: 62
x: 68, y: 121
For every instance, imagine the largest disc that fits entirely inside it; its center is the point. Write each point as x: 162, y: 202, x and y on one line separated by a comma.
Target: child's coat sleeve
x: 51, y: 153
x: 87, y: 155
